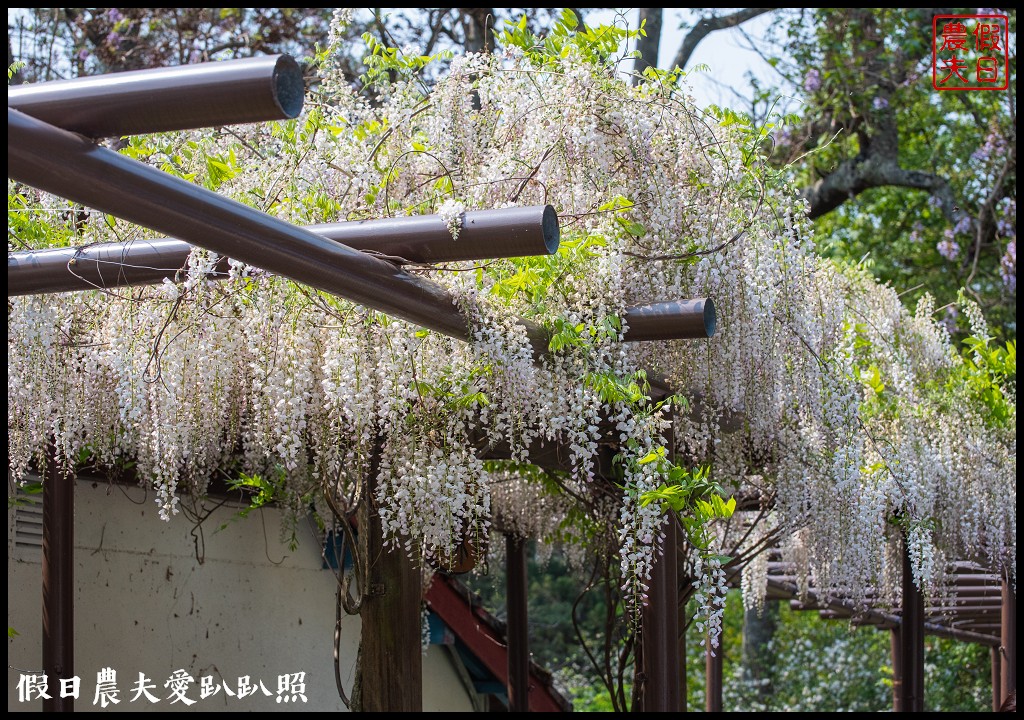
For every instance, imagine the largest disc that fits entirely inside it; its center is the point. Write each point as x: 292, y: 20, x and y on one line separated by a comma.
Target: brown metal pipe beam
x: 674, y: 320
x: 960, y: 634
x: 786, y: 572
x: 518, y: 628
x: 485, y: 235
x: 961, y: 619
x: 977, y: 592
x: 972, y: 581
x: 68, y: 165
x: 64, y: 164
x: 106, y: 266
x: 58, y: 581
x: 164, y: 99
x: 966, y: 610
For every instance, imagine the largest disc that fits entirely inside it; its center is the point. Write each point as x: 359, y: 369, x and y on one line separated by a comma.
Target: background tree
x: 920, y: 182
x: 67, y: 42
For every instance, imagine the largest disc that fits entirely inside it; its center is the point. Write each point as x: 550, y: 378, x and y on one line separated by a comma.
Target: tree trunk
x: 648, y: 46
x: 477, y: 24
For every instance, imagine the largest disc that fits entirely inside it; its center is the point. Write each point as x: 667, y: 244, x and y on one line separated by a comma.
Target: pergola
x: 974, y: 605
x: 51, y: 132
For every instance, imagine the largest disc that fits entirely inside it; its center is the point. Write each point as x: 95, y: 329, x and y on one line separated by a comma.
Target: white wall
x: 145, y: 603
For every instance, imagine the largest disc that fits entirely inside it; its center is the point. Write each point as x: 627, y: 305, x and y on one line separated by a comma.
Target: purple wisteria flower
x: 950, y: 318
x: 113, y: 15
x: 812, y: 80
x: 948, y: 247
x: 880, y: 103
x: 915, y: 233
x: 1007, y: 224
x: 993, y: 147
x: 1008, y: 267
x: 963, y: 226
x: 912, y: 77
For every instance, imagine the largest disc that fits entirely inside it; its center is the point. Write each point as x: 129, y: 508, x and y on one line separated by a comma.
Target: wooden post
x: 681, y: 624
x: 58, y: 581
x: 390, y: 672
x: 912, y: 639
x: 518, y: 629
x: 713, y: 678
x: 896, y: 650
x: 661, y: 630
x: 997, y: 694
x: 1008, y: 644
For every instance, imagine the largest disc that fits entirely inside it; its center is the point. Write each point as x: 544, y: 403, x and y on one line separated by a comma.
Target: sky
x: 726, y: 53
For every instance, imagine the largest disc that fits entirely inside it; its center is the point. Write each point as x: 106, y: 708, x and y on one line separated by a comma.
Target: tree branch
x: 864, y: 172
x: 706, y: 26
x: 16, y: 78
x: 877, y: 165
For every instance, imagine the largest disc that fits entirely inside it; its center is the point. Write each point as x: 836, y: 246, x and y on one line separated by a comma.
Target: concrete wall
x: 145, y: 603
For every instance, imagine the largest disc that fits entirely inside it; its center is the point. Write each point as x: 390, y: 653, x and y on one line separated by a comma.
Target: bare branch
x: 706, y: 26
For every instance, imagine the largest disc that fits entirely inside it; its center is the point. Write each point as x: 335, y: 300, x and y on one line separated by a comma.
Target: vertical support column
x: 896, y: 650
x: 58, y: 580
x: 661, y: 630
x: 912, y: 639
x: 1008, y: 644
x: 997, y: 694
x: 518, y: 631
x: 390, y: 673
x: 713, y: 678
x: 681, y: 645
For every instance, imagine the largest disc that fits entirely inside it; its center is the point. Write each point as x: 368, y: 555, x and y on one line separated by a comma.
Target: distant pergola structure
x: 977, y: 606
x: 51, y: 128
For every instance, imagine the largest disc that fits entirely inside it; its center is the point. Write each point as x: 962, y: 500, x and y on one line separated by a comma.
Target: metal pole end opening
x: 289, y: 86
x: 550, y: 229
x: 710, y: 317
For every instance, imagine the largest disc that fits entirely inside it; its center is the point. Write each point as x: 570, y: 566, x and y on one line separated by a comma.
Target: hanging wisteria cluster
x: 819, y: 381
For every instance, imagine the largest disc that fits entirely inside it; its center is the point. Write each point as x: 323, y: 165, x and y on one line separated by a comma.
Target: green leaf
x: 651, y: 456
